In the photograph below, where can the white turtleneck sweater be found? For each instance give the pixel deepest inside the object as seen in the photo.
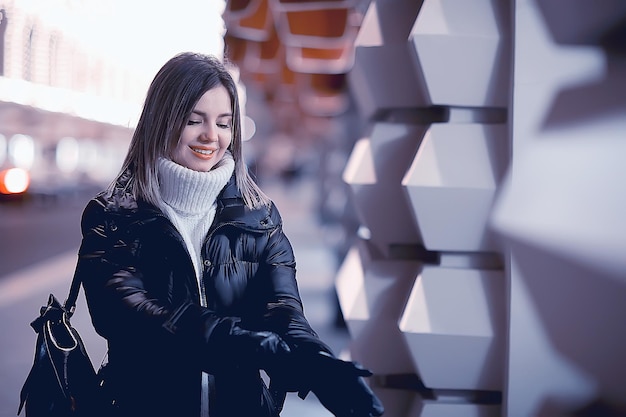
(188, 199)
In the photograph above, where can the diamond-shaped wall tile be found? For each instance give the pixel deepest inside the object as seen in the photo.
(372, 294)
(384, 72)
(454, 324)
(452, 183)
(463, 51)
(374, 173)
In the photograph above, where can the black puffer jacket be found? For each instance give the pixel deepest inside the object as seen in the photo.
(144, 298)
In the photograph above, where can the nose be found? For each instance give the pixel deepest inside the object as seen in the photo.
(209, 134)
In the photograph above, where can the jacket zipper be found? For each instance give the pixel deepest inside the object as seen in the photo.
(208, 382)
(201, 295)
(206, 379)
(202, 288)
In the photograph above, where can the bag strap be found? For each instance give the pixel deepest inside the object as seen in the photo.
(70, 302)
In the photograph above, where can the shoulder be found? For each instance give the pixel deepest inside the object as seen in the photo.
(112, 201)
(232, 209)
(115, 205)
(264, 218)
(101, 215)
(274, 214)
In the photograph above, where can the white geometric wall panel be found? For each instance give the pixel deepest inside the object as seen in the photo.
(374, 173)
(384, 72)
(571, 199)
(463, 50)
(397, 402)
(452, 183)
(582, 313)
(429, 408)
(454, 324)
(561, 208)
(372, 294)
(587, 23)
(563, 215)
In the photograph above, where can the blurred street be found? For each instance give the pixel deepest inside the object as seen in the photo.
(38, 245)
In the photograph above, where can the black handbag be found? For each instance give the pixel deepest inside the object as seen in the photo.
(62, 381)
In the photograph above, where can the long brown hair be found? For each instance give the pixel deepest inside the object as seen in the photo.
(170, 99)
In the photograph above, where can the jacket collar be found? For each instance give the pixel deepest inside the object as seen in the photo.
(231, 208)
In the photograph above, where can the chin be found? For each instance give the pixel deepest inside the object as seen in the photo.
(205, 168)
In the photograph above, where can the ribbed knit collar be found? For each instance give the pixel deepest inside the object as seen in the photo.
(192, 192)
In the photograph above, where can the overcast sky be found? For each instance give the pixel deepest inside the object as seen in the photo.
(142, 33)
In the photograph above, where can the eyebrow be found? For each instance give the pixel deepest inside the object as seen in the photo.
(203, 114)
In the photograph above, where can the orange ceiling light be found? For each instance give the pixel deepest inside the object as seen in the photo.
(327, 23)
(235, 48)
(270, 49)
(321, 28)
(263, 59)
(296, 52)
(323, 95)
(320, 60)
(288, 76)
(250, 20)
(322, 53)
(237, 6)
(330, 83)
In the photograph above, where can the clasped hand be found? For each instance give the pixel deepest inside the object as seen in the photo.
(339, 385)
(341, 389)
(264, 350)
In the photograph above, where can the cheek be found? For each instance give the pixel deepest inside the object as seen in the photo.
(178, 144)
(177, 148)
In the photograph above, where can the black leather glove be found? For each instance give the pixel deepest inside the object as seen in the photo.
(341, 389)
(262, 350)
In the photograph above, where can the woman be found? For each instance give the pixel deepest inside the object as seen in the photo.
(188, 275)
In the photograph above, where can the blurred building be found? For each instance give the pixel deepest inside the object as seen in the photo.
(65, 106)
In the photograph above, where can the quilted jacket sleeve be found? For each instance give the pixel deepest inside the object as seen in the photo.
(284, 312)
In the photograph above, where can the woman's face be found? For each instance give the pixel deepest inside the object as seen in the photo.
(208, 133)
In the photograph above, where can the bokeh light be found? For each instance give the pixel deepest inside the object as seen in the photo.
(22, 151)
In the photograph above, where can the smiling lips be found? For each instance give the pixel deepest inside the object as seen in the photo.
(204, 153)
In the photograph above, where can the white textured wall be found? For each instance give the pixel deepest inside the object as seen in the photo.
(518, 188)
(432, 79)
(561, 210)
